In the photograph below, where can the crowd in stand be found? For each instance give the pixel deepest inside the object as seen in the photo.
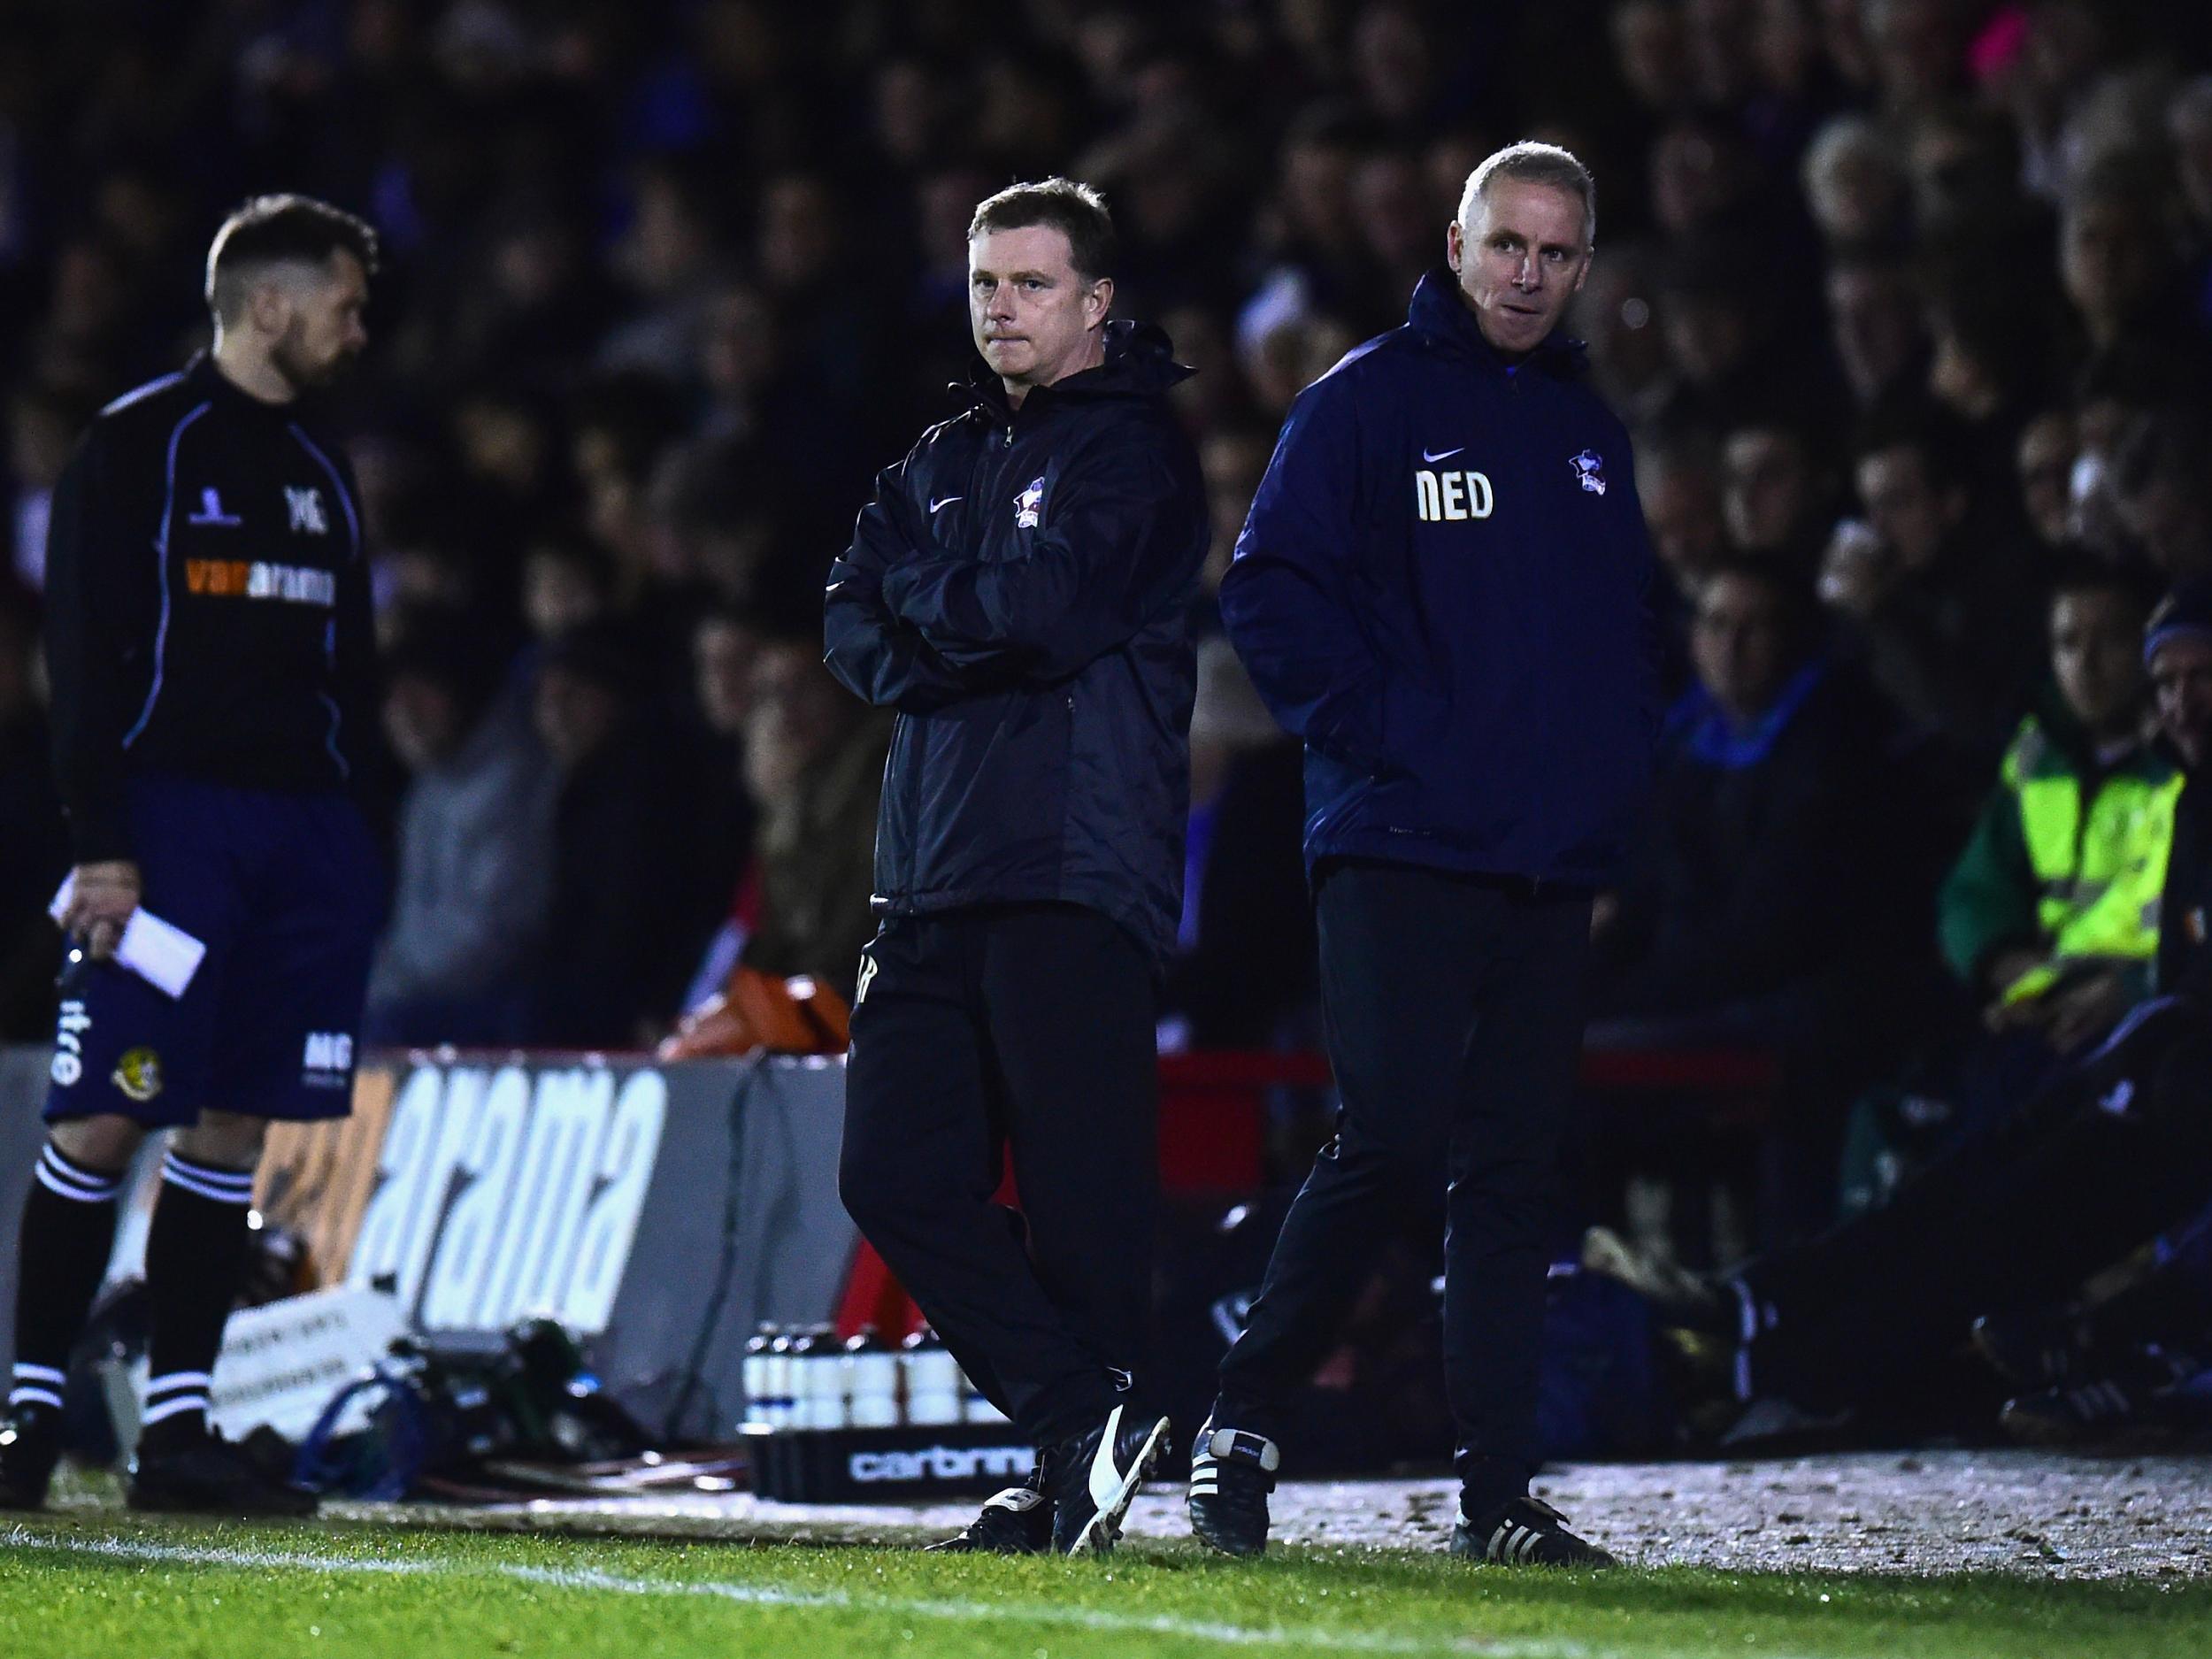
(1907, 303)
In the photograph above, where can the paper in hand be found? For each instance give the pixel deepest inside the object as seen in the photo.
(159, 952)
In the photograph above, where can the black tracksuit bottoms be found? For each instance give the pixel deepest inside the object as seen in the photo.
(1025, 1028)
(1453, 1018)
(1455, 1011)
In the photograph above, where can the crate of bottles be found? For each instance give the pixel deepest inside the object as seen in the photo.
(865, 1421)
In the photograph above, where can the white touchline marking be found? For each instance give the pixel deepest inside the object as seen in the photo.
(592, 1579)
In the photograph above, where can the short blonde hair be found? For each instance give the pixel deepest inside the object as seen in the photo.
(1532, 162)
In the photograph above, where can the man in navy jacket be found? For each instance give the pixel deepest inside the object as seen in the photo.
(1441, 588)
(1018, 591)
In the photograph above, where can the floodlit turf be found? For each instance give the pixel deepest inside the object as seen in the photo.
(112, 1585)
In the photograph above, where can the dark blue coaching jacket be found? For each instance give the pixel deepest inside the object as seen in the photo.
(1018, 591)
(1442, 587)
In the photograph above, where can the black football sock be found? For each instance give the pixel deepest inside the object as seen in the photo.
(68, 1229)
(195, 1257)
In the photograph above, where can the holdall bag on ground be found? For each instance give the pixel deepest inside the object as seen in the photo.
(453, 1414)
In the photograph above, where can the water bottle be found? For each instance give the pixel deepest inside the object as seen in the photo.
(798, 1348)
(872, 1381)
(757, 1389)
(818, 1389)
(933, 1380)
(777, 1400)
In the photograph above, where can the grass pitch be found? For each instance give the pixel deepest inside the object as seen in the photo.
(107, 1584)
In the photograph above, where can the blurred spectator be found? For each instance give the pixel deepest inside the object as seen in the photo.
(1917, 49)
(726, 652)
(669, 255)
(2189, 127)
(814, 769)
(475, 855)
(568, 584)
(2050, 915)
(1234, 458)
(1964, 162)
(2118, 395)
(2056, 65)
(1986, 369)
(33, 840)
(708, 529)
(1724, 47)
(1680, 486)
(1772, 897)
(630, 903)
(504, 443)
(1843, 36)
(2118, 262)
(1311, 225)
(43, 427)
(1875, 325)
(538, 300)
(1794, 84)
(1757, 907)
(1244, 967)
(1397, 64)
(1943, 616)
(1281, 356)
(622, 427)
(1215, 395)
(2162, 485)
(1397, 221)
(2045, 463)
(1650, 49)
(830, 307)
(1615, 314)
(725, 648)
(1703, 179)
(1716, 322)
(1855, 184)
(1772, 496)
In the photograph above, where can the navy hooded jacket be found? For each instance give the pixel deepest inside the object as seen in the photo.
(1443, 588)
(1018, 591)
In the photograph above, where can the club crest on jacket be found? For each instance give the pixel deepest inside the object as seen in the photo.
(1029, 504)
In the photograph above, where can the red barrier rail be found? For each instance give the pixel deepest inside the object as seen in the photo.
(1728, 1071)
(1213, 1136)
(1212, 1105)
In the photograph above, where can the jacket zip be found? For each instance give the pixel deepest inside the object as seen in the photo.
(1533, 538)
(979, 499)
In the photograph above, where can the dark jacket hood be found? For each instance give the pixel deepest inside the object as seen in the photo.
(1139, 363)
(1440, 314)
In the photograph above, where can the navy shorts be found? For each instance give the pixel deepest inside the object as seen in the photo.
(286, 892)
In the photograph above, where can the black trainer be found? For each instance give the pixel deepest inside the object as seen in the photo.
(206, 1474)
(2069, 1417)
(2134, 1388)
(30, 1447)
(1231, 1471)
(2035, 1351)
(1525, 1532)
(1094, 1478)
(1015, 1522)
